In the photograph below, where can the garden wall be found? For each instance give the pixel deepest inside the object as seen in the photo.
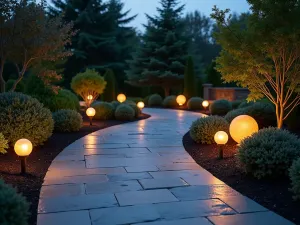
(231, 94)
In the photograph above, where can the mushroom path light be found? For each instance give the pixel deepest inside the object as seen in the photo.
(221, 138)
(23, 148)
(140, 105)
(205, 104)
(91, 112)
(181, 99)
(242, 127)
(121, 98)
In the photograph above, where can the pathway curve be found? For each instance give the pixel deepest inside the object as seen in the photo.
(139, 173)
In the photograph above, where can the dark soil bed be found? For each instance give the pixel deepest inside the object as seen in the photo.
(272, 194)
(40, 159)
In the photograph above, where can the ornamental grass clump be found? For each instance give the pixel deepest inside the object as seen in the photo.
(203, 129)
(220, 107)
(14, 208)
(22, 116)
(124, 112)
(104, 111)
(269, 152)
(155, 100)
(170, 102)
(295, 178)
(195, 103)
(3, 144)
(66, 120)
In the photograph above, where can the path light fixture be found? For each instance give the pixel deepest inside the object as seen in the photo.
(181, 99)
(140, 105)
(23, 148)
(90, 112)
(121, 98)
(89, 100)
(205, 104)
(221, 138)
(242, 127)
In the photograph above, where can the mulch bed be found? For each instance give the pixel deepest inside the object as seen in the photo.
(40, 159)
(272, 194)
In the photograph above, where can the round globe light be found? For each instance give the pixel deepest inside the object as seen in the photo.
(140, 105)
(23, 147)
(221, 138)
(205, 104)
(181, 99)
(121, 98)
(90, 97)
(90, 112)
(242, 127)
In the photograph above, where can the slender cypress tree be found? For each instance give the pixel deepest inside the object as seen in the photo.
(190, 88)
(110, 89)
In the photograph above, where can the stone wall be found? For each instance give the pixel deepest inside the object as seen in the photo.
(231, 94)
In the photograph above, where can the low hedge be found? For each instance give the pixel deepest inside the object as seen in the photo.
(155, 100)
(220, 107)
(104, 110)
(170, 102)
(294, 173)
(195, 103)
(66, 120)
(124, 112)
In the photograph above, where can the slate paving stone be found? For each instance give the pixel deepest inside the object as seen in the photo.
(242, 204)
(261, 218)
(67, 165)
(62, 190)
(145, 197)
(191, 209)
(137, 169)
(116, 151)
(124, 215)
(76, 179)
(113, 187)
(203, 192)
(107, 146)
(128, 176)
(193, 221)
(74, 203)
(162, 183)
(180, 166)
(65, 218)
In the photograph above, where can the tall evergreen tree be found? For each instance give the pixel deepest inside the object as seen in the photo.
(190, 81)
(109, 93)
(161, 58)
(104, 39)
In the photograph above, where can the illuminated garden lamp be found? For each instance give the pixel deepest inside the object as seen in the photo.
(90, 112)
(181, 99)
(205, 104)
(140, 105)
(221, 138)
(121, 98)
(90, 97)
(23, 148)
(242, 127)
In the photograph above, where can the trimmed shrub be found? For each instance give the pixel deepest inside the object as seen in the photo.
(129, 102)
(263, 113)
(245, 104)
(235, 104)
(137, 111)
(204, 129)
(3, 144)
(115, 104)
(195, 103)
(14, 208)
(66, 120)
(135, 99)
(155, 100)
(109, 93)
(170, 102)
(22, 116)
(295, 178)
(146, 100)
(65, 99)
(269, 152)
(124, 112)
(104, 111)
(87, 83)
(220, 107)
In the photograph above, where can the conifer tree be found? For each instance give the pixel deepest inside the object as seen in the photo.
(190, 79)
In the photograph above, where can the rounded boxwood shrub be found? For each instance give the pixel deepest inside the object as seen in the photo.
(269, 152)
(220, 107)
(115, 104)
(146, 99)
(137, 111)
(263, 113)
(124, 112)
(66, 120)
(195, 103)
(235, 104)
(170, 102)
(22, 116)
(155, 100)
(245, 104)
(204, 129)
(65, 99)
(14, 208)
(3, 144)
(295, 178)
(104, 111)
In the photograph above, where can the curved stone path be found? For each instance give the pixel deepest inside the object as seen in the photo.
(139, 173)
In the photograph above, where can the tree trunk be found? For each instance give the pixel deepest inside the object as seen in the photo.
(279, 115)
(167, 91)
(2, 81)
(21, 74)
